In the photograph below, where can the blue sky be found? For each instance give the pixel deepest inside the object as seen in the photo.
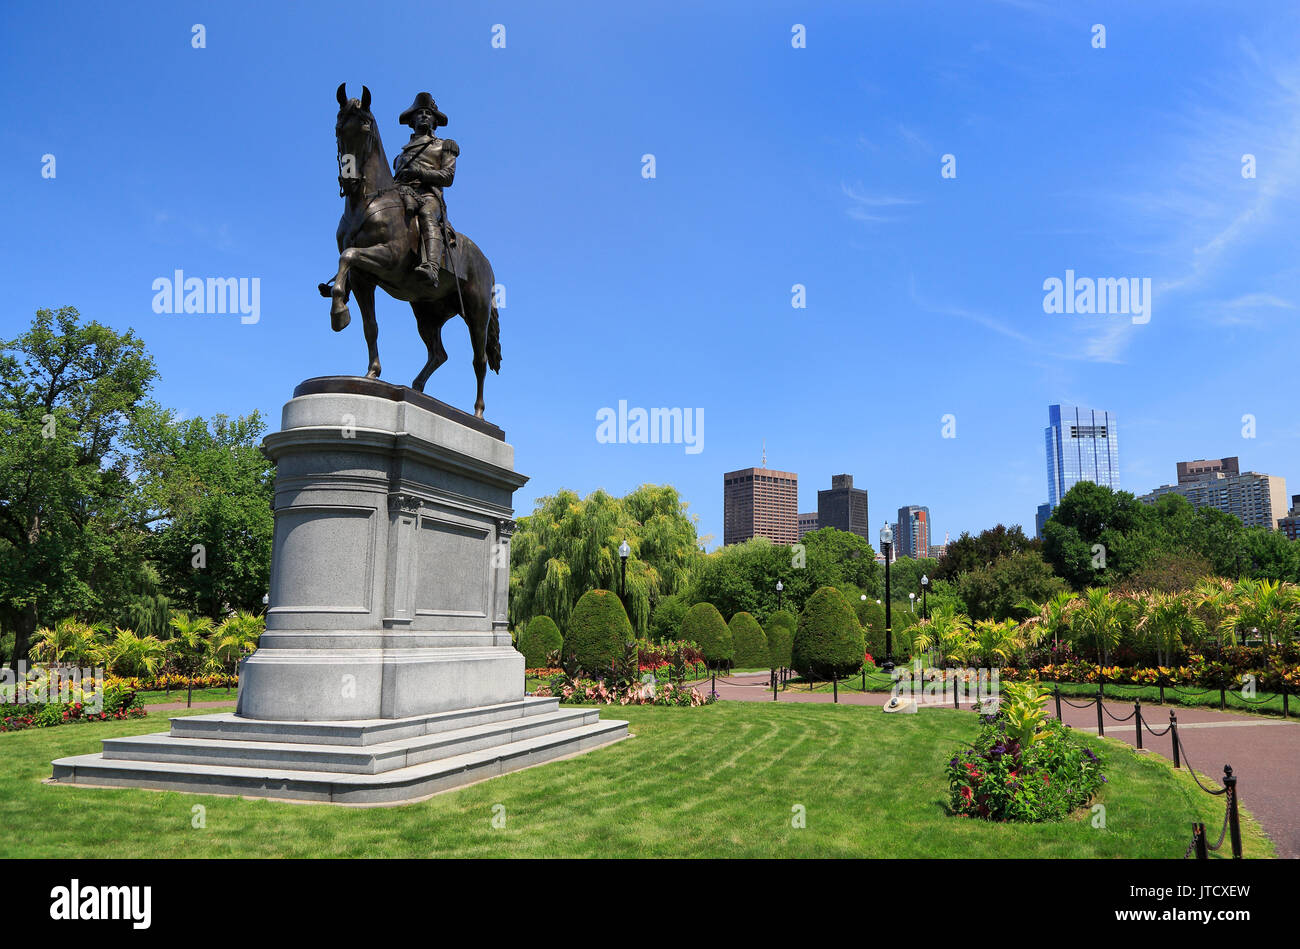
(775, 166)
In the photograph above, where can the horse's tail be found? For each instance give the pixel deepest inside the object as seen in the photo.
(494, 341)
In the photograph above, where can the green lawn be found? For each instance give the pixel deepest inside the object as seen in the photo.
(717, 781)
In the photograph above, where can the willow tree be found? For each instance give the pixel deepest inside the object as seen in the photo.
(569, 545)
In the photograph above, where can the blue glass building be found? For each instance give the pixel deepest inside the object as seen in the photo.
(1082, 445)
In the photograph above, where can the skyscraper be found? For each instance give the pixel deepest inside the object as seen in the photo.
(758, 502)
(1082, 445)
(843, 506)
(1259, 500)
(913, 535)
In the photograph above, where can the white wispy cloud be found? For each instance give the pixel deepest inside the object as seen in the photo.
(868, 207)
(963, 313)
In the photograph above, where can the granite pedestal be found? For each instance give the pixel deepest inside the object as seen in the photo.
(386, 670)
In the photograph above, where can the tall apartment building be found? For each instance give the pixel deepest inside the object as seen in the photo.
(760, 502)
(843, 506)
(912, 537)
(1257, 500)
(1290, 525)
(1082, 445)
(1192, 470)
(807, 523)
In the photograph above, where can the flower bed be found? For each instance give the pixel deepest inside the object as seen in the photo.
(598, 692)
(1023, 766)
(119, 703)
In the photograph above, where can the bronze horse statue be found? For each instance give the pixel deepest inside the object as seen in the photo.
(379, 245)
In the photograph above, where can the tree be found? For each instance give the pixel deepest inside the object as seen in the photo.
(828, 642)
(780, 638)
(540, 638)
(998, 590)
(666, 620)
(749, 641)
(569, 545)
(128, 654)
(1052, 616)
(705, 627)
(599, 633)
(209, 489)
(188, 647)
(1167, 621)
(968, 552)
(69, 394)
(1099, 621)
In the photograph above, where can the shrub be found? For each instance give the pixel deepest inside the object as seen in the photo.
(705, 627)
(780, 638)
(540, 638)
(749, 642)
(599, 633)
(828, 640)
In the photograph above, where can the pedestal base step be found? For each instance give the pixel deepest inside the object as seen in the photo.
(386, 772)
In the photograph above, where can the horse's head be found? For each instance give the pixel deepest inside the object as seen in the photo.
(355, 132)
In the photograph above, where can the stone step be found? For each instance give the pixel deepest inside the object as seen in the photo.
(342, 759)
(391, 787)
(361, 732)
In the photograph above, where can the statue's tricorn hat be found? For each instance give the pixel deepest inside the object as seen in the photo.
(423, 101)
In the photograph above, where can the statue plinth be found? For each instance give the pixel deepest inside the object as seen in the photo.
(391, 562)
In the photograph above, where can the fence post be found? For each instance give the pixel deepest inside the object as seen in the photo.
(1162, 690)
(956, 691)
(1285, 710)
(835, 687)
(1058, 701)
(1234, 827)
(1198, 838)
(1173, 731)
(1137, 720)
(864, 678)
(774, 678)
(1101, 725)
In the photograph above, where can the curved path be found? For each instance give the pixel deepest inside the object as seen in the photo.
(1264, 752)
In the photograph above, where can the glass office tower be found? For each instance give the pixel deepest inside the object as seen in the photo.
(1082, 445)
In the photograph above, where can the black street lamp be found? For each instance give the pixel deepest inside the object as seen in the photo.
(623, 551)
(925, 588)
(779, 587)
(887, 545)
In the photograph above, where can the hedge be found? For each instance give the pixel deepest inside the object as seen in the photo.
(828, 641)
(599, 632)
(540, 638)
(780, 638)
(749, 641)
(705, 627)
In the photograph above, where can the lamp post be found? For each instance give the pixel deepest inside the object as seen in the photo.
(912, 598)
(779, 587)
(886, 545)
(925, 588)
(623, 551)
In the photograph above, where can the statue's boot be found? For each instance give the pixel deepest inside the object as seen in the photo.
(432, 256)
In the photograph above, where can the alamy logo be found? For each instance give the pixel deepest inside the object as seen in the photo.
(638, 426)
(182, 294)
(103, 902)
(1103, 296)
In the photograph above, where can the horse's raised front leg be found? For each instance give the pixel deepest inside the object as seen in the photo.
(339, 315)
(364, 291)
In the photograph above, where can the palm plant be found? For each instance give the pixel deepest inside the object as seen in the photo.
(187, 648)
(1268, 606)
(1100, 621)
(996, 642)
(1214, 599)
(1168, 621)
(235, 638)
(129, 654)
(68, 642)
(946, 633)
(1049, 618)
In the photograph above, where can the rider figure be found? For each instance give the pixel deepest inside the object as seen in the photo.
(427, 165)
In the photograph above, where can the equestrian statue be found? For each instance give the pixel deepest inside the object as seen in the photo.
(394, 234)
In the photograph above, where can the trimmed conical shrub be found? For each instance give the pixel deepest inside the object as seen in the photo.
(705, 627)
(749, 642)
(828, 641)
(599, 632)
(780, 638)
(538, 640)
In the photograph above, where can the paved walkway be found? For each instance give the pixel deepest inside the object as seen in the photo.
(1264, 752)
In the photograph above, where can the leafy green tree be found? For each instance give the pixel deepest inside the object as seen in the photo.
(540, 638)
(210, 490)
(188, 647)
(666, 620)
(598, 634)
(828, 641)
(569, 545)
(750, 642)
(998, 590)
(969, 552)
(70, 393)
(705, 627)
